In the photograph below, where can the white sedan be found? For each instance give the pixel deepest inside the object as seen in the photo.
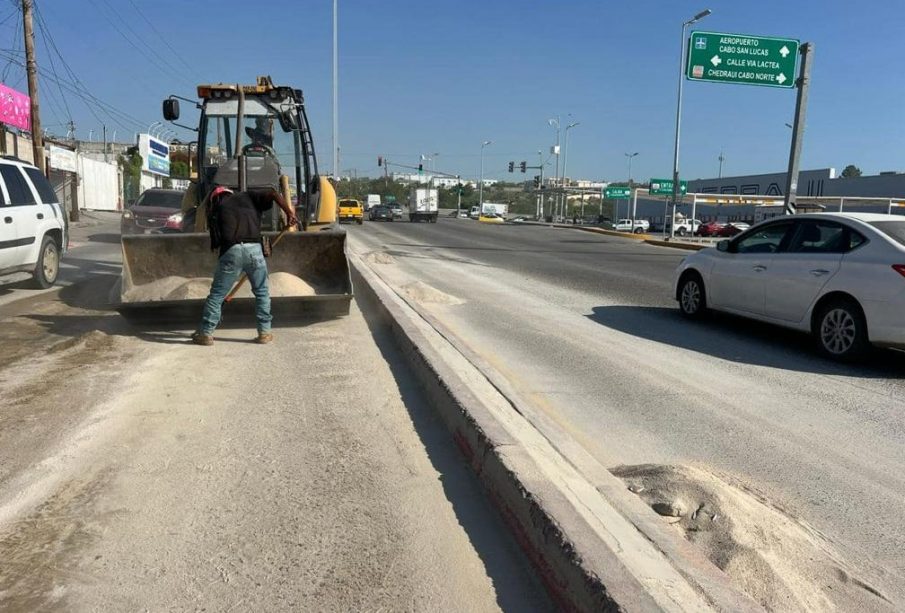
(839, 276)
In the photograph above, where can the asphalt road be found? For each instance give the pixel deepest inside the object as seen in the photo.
(141, 472)
(586, 327)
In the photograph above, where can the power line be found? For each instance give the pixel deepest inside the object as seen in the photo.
(45, 34)
(158, 62)
(121, 118)
(16, 45)
(159, 34)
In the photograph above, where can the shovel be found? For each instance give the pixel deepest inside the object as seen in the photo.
(244, 278)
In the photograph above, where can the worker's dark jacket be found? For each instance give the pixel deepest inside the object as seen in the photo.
(237, 218)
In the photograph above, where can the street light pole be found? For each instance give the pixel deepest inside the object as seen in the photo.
(555, 124)
(565, 160)
(721, 158)
(481, 184)
(675, 160)
(630, 156)
(335, 91)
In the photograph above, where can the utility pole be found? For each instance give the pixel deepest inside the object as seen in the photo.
(801, 105)
(31, 69)
(106, 159)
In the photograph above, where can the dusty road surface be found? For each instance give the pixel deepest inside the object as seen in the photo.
(139, 472)
(789, 470)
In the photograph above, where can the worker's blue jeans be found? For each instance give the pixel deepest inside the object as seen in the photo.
(247, 258)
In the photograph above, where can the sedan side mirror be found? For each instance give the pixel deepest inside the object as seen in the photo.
(171, 109)
(723, 246)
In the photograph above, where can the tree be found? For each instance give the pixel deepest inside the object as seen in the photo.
(851, 171)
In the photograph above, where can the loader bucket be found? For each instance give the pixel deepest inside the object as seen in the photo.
(166, 277)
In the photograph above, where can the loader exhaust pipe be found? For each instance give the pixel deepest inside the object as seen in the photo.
(240, 157)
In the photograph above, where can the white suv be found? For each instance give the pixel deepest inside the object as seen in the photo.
(33, 226)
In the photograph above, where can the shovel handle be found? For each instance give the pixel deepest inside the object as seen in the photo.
(235, 290)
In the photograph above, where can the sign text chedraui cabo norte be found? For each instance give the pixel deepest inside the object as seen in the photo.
(738, 58)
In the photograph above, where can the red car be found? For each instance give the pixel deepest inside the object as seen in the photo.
(711, 228)
(733, 228)
(156, 211)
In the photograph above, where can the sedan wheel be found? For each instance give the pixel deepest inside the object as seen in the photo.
(842, 331)
(692, 301)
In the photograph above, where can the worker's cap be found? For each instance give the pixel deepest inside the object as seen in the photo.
(220, 191)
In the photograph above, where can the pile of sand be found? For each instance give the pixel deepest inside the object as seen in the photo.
(423, 293)
(379, 257)
(780, 561)
(282, 284)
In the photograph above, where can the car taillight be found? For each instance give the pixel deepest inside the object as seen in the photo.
(899, 268)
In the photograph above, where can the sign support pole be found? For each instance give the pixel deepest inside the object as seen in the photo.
(801, 104)
(634, 206)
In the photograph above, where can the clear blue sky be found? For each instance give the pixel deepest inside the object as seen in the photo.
(441, 76)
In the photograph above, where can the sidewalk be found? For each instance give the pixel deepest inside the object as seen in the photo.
(310, 475)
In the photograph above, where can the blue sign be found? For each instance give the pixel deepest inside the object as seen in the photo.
(159, 165)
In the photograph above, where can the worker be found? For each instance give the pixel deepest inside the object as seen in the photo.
(235, 229)
(261, 137)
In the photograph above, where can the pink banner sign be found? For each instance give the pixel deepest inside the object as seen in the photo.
(15, 108)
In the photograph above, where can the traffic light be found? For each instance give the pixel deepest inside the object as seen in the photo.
(379, 160)
(524, 166)
(536, 181)
(420, 168)
(511, 166)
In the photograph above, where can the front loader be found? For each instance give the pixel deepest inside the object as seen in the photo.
(249, 136)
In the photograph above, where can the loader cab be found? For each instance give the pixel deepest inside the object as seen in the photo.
(273, 136)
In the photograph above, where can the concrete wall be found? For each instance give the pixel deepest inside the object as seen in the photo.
(99, 185)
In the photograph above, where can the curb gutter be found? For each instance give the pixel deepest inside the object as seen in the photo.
(591, 555)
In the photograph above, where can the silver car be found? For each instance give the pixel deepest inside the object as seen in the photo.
(839, 276)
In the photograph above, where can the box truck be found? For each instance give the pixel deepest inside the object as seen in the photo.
(424, 204)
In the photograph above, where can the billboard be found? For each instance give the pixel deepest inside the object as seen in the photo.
(63, 159)
(15, 108)
(155, 155)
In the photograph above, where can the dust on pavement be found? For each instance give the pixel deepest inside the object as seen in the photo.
(307, 474)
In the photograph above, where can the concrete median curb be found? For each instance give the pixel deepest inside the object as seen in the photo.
(677, 244)
(589, 554)
(631, 235)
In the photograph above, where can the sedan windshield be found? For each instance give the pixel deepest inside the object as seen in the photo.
(893, 229)
(167, 200)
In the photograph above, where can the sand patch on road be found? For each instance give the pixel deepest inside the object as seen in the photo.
(778, 560)
(379, 257)
(425, 294)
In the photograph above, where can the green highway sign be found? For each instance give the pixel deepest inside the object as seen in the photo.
(738, 58)
(663, 187)
(617, 192)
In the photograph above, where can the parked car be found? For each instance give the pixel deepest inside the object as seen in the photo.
(711, 228)
(156, 211)
(351, 210)
(381, 212)
(732, 228)
(684, 227)
(639, 227)
(34, 233)
(838, 276)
